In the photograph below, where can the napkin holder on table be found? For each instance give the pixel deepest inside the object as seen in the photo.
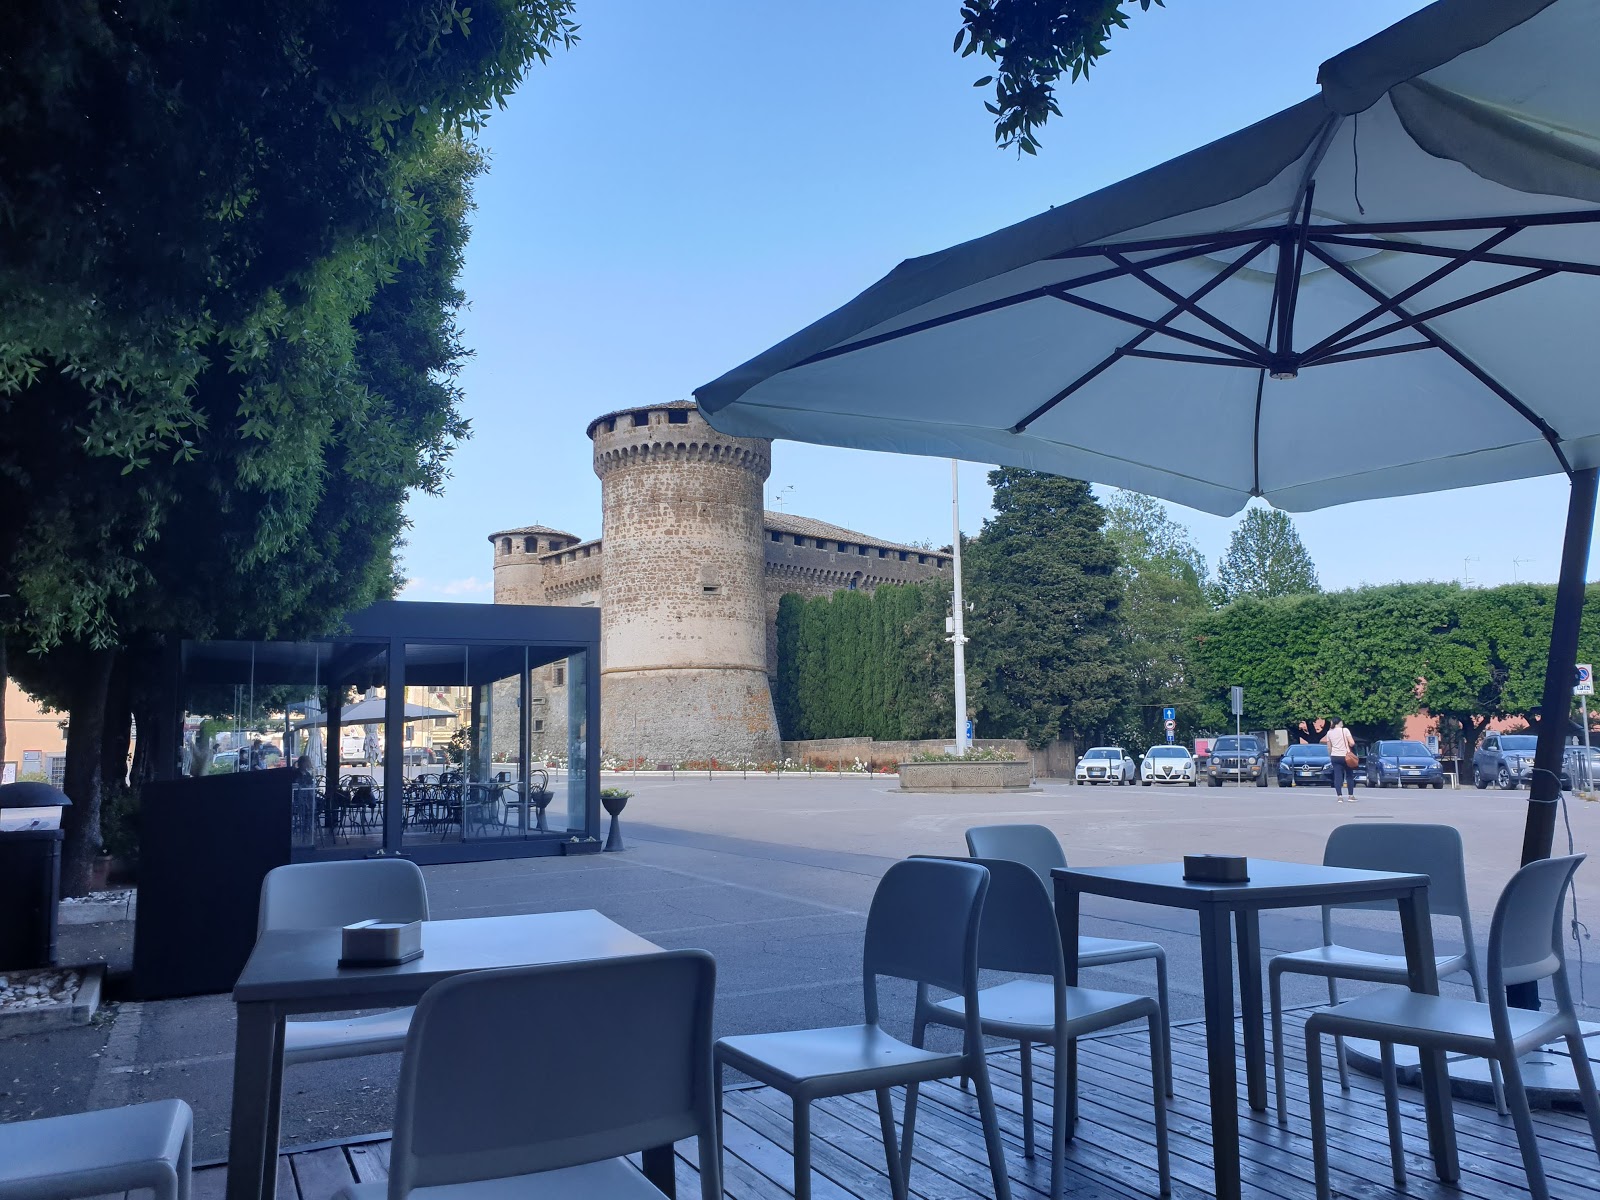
(1216, 868)
(380, 943)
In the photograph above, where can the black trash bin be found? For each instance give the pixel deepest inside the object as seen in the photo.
(30, 873)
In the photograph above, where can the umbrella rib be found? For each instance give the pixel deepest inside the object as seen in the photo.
(1427, 281)
(1207, 359)
(1161, 326)
(1140, 338)
(1174, 296)
(1379, 352)
(1444, 345)
(1582, 216)
(1559, 265)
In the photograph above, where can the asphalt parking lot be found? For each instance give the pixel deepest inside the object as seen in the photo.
(774, 877)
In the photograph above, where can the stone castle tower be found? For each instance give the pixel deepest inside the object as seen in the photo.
(688, 572)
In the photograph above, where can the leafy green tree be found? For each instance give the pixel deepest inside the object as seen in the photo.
(1034, 43)
(1162, 576)
(1046, 639)
(1261, 645)
(1265, 558)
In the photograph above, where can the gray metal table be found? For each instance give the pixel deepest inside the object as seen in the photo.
(1271, 885)
(297, 971)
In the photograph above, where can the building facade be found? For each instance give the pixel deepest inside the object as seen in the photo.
(688, 572)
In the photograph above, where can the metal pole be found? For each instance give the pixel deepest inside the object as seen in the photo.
(1555, 714)
(1583, 707)
(958, 626)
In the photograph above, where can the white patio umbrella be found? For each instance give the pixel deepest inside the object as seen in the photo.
(1415, 249)
(371, 712)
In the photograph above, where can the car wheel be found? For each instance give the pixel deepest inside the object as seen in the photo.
(1503, 779)
(1191, 783)
(1478, 781)
(1215, 782)
(1439, 786)
(1144, 783)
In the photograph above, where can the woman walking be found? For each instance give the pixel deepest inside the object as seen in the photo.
(1341, 743)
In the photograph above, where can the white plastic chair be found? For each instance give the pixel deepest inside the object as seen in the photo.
(1431, 850)
(1525, 946)
(91, 1153)
(494, 1117)
(323, 894)
(922, 927)
(1020, 936)
(1038, 847)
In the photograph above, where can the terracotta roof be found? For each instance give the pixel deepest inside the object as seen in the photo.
(781, 522)
(522, 529)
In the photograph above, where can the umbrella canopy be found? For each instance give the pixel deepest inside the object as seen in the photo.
(1414, 251)
(371, 712)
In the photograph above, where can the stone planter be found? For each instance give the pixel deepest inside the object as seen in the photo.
(956, 776)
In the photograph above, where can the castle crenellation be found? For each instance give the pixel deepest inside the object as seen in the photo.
(688, 572)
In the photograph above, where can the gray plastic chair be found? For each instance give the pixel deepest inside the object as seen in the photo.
(1431, 850)
(1038, 847)
(922, 927)
(107, 1150)
(1019, 936)
(317, 895)
(497, 1117)
(1525, 946)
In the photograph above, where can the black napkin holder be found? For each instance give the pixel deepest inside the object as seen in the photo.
(1216, 868)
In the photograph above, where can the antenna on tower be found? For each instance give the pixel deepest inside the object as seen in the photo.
(780, 496)
(1516, 575)
(1466, 579)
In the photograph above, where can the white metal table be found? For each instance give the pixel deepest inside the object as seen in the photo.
(296, 971)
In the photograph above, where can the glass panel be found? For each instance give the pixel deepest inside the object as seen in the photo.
(577, 790)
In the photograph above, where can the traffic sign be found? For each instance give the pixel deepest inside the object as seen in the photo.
(1171, 725)
(1169, 737)
(1584, 685)
(1237, 698)
(1169, 715)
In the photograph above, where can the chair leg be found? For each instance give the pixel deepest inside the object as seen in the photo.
(1586, 1092)
(802, 1150)
(1319, 1120)
(1494, 1067)
(1027, 1099)
(1275, 991)
(722, 1162)
(1158, 1073)
(1338, 1039)
(898, 1171)
(908, 1128)
(186, 1163)
(979, 1070)
(1391, 1110)
(1166, 1016)
(1058, 1124)
(1522, 1118)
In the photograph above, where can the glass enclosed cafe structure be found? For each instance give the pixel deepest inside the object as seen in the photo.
(443, 732)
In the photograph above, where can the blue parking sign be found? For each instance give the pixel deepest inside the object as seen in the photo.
(1169, 714)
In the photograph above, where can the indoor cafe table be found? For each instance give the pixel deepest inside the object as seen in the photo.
(296, 971)
(1271, 885)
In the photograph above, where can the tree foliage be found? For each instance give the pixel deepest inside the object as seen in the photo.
(1046, 645)
(1265, 558)
(1034, 43)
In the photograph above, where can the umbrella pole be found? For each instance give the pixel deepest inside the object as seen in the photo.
(1555, 714)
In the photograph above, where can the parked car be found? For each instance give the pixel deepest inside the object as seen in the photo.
(416, 756)
(1403, 764)
(1306, 765)
(225, 760)
(1167, 764)
(1503, 759)
(1105, 764)
(1238, 757)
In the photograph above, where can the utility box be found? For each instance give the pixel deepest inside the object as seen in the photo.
(30, 874)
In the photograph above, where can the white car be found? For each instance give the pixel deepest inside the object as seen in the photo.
(1168, 764)
(1105, 764)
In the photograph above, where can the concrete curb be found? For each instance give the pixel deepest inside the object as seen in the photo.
(98, 912)
(48, 1017)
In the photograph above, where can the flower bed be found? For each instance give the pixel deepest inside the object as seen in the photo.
(966, 775)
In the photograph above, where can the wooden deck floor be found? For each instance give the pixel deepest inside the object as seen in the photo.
(1112, 1157)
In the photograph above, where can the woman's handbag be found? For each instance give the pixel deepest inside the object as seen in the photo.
(1350, 759)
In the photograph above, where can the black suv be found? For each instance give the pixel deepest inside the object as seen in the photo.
(1238, 757)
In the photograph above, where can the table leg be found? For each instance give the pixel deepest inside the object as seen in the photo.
(1067, 921)
(257, 1087)
(1216, 963)
(659, 1169)
(1417, 927)
(1248, 923)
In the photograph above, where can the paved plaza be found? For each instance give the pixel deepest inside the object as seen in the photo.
(774, 877)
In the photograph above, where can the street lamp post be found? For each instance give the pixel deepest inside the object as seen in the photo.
(957, 625)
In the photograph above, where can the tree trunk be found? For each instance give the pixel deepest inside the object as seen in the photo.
(86, 723)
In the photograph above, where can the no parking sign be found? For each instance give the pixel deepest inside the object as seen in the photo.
(1584, 680)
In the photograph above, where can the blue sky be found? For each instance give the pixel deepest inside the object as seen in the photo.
(693, 183)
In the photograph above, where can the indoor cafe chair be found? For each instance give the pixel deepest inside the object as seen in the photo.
(923, 928)
(1525, 946)
(1431, 850)
(1019, 936)
(323, 894)
(1037, 847)
(480, 1115)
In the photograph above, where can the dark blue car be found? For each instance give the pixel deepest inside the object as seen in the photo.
(1305, 766)
(1403, 764)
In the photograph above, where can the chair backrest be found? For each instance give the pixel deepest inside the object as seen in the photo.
(1431, 850)
(317, 895)
(1019, 931)
(483, 1097)
(1525, 943)
(923, 926)
(1034, 846)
